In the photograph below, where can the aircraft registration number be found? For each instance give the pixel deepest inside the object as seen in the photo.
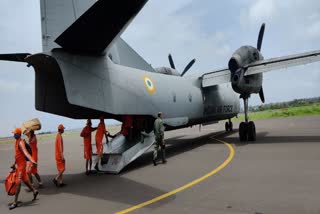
(219, 109)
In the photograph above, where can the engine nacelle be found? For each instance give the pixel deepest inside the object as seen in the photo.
(245, 85)
(168, 71)
(244, 56)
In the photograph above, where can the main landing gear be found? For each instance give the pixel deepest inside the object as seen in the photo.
(247, 130)
(229, 126)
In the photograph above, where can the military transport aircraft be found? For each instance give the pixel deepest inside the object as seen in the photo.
(87, 70)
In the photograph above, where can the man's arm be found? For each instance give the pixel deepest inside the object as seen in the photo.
(61, 146)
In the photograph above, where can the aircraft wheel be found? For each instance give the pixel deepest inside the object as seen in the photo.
(227, 126)
(251, 131)
(231, 126)
(243, 131)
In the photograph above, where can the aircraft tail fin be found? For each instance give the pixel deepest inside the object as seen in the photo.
(99, 26)
(57, 16)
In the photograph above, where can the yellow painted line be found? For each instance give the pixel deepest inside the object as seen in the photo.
(166, 195)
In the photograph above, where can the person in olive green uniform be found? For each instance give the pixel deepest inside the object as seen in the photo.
(160, 144)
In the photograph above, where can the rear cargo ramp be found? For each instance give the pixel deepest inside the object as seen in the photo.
(121, 151)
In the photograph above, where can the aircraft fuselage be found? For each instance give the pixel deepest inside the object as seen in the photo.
(87, 86)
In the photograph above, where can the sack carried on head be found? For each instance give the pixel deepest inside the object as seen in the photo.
(33, 124)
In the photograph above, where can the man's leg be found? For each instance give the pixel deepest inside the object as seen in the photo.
(16, 196)
(97, 162)
(163, 153)
(87, 162)
(99, 153)
(61, 168)
(90, 163)
(59, 177)
(35, 192)
(30, 178)
(29, 171)
(38, 179)
(155, 153)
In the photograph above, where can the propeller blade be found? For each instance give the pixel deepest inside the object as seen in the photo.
(188, 66)
(261, 94)
(171, 62)
(260, 38)
(17, 57)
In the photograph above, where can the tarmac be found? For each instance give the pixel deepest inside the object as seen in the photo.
(279, 173)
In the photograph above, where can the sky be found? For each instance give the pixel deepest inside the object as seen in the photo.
(207, 30)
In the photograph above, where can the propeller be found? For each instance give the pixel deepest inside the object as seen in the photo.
(188, 66)
(185, 69)
(260, 38)
(171, 62)
(259, 45)
(261, 94)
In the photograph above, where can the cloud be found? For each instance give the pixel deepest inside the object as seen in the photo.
(261, 10)
(8, 87)
(176, 29)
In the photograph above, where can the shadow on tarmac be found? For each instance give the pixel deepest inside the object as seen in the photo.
(118, 188)
(103, 187)
(175, 146)
(262, 138)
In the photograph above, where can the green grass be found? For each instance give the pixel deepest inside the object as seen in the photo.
(312, 110)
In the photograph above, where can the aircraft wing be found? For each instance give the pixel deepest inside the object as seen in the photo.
(216, 78)
(224, 75)
(282, 62)
(96, 29)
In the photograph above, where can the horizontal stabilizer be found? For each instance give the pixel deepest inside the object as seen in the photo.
(16, 57)
(95, 30)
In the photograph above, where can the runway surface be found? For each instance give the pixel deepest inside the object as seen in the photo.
(279, 173)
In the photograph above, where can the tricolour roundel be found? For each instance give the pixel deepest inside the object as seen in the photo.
(149, 84)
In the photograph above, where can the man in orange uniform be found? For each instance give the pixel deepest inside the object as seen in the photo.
(86, 134)
(127, 123)
(58, 181)
(31, 168)
(21, 153)
(101, 131)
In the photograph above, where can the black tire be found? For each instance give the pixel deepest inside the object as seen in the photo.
(226, 126)
(230, 126)
(251, 131)
(243, 131)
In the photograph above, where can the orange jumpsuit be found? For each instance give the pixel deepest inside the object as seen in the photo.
(99, 137)
(21, 153)
(59, 153)
(33, 169)
(86, 134)
(127, 123)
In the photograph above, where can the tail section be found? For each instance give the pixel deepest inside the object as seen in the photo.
(99, 26)
(57, 16)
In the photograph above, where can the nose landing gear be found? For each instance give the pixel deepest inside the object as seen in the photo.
(229, 126)
(247, 130)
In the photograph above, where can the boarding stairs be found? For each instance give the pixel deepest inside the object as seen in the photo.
(121, 151)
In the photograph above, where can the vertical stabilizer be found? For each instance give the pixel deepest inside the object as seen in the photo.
(57, 16)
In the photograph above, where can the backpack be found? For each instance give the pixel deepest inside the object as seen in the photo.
(28, 147)
(10, 182)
